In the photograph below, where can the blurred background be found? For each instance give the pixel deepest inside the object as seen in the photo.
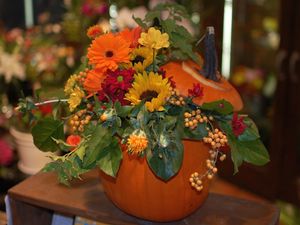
(42, 42)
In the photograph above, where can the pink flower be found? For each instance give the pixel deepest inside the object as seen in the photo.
(6, 153)
(238, 125)
(197, 91)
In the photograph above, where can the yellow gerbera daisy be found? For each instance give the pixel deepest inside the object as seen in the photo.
(141, 58)
(152, 88)
(71, 82)
(75, 98)
(154, 39)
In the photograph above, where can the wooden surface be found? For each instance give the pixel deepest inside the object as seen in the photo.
(43, 194)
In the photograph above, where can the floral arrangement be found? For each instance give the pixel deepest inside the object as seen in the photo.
(124, 102)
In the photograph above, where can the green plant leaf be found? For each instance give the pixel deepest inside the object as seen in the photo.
(80, 152)
(140, 22)
(198, 133)
(166, 162)
(122, 111)
(222, 106)
(99, 140)
(251, 132)
(252, 151)
(110, 158)
(43, 132)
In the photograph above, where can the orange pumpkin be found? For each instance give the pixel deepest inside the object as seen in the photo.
(137, 191)
(185, 75)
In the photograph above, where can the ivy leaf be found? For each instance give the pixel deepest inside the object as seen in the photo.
(250, 150)
(100, 139)
(110, 158)
(122, 111)
(222, 106)
(198, 133)
(143, 116)
(45, 131)
(166, 162)
(80, 152)
(251, 132)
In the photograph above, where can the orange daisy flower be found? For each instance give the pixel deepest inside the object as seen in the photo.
(93, 80)
(132, 36)
(94, 31)
(107, 51)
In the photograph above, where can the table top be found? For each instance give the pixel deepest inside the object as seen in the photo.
(86, 198)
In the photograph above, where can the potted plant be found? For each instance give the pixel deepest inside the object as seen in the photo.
(152, 117)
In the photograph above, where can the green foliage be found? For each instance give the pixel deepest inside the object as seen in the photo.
(45, 131)
(222, 107)
(246, 147)
(181, 41)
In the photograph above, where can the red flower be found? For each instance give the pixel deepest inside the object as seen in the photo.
(73, 140)
(162, 72)
(238, 125)
(197, 91)
(45, 109)
(6, 153)
(115, 85)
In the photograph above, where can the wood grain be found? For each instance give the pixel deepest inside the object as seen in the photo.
(86, 198)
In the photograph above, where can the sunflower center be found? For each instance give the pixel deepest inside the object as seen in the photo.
(148, 95)
(109, 54)
(138, 59)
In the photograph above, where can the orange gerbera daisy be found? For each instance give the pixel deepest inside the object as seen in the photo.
(93, 80)
(132, 36)
(94, 31)
(107, 51)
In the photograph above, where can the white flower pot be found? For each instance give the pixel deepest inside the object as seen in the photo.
(31, 159)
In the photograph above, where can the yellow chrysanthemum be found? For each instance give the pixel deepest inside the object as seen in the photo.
(152, 88)
(71, 82)
(141, 58)
(154, 39)
(137, 142)
(75, 98)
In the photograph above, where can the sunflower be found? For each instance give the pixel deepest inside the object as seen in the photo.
(152, 88)
(107, 51)
(141, 58)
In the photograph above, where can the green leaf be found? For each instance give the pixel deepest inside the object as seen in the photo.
(251, 151)
(122, 111)
(198, 133)
(166, 162)
(151, 15)
(140, 22)
(43, 132)
(143, 116)
(100, 139)
(80, 152)
(110, 158)
(222, 106)
(251, 132)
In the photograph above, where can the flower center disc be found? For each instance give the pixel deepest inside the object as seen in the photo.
(148, 95)
(138, 59)
(109, 54)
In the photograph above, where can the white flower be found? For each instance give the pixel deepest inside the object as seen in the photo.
(10, 66)
(124, 18)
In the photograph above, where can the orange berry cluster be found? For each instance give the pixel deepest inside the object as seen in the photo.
(191, 119)
(216, 139)
(175, 98)
(196, 181)
(79, 120)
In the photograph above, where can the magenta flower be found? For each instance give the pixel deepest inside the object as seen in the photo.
(6, 153)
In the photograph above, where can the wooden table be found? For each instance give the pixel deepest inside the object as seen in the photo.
(34, 200)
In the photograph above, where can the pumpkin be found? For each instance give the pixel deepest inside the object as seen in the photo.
(137, 191)
(185, 75)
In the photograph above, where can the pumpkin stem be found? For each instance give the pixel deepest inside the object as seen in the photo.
(210, 66)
